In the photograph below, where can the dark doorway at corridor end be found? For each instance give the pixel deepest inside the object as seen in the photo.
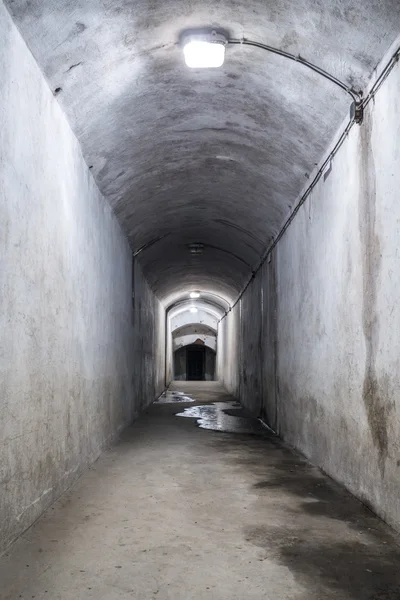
(195, 362)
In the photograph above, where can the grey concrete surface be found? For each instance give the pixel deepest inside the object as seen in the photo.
(76, 362)
(229, 351)
(330, 351)
(216, 156)
(178, 512)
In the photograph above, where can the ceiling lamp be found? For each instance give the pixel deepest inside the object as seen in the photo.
(194, 295)
(204, 50)
(193, 309)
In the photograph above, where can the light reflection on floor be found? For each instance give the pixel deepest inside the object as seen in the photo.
(218, 416)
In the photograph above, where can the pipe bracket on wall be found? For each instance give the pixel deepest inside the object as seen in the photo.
(357, 111)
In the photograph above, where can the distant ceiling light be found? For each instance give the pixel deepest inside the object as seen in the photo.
(204, 50)
(194, 295)
(227, 158)
(193, 309)
(196, 248)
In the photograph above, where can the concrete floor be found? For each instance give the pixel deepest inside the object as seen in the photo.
(178, 512)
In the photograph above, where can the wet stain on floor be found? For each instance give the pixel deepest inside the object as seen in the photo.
(228, 417)
(333, 545)
(364, 569)
(171, 397)
(211, 515)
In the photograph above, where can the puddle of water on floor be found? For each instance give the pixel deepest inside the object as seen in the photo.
(171, 397)
(220, 416)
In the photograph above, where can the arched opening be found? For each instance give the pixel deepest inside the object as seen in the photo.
(194, 362)
(192, 336)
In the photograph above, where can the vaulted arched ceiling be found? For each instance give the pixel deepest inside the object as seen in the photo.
(211, 156)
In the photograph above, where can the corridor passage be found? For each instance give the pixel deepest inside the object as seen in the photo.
(177, 512)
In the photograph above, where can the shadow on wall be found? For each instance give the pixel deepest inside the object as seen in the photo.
(195, 362)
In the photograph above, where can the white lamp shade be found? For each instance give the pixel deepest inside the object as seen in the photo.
(200, 54)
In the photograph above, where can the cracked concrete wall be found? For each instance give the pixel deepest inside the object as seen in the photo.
(149, 342)
(330, 349)
(69, 376)
(269, 342)
(250, 332)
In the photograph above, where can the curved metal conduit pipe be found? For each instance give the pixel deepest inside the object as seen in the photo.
(151, 243)
(364, 103)
(355, 95)
(221, 36)
(230, 253)
(135, 253)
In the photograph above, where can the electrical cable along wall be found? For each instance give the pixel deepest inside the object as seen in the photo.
(325, 302)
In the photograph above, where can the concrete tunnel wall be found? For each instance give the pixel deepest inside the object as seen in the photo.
(317, 329)
(72, 372)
